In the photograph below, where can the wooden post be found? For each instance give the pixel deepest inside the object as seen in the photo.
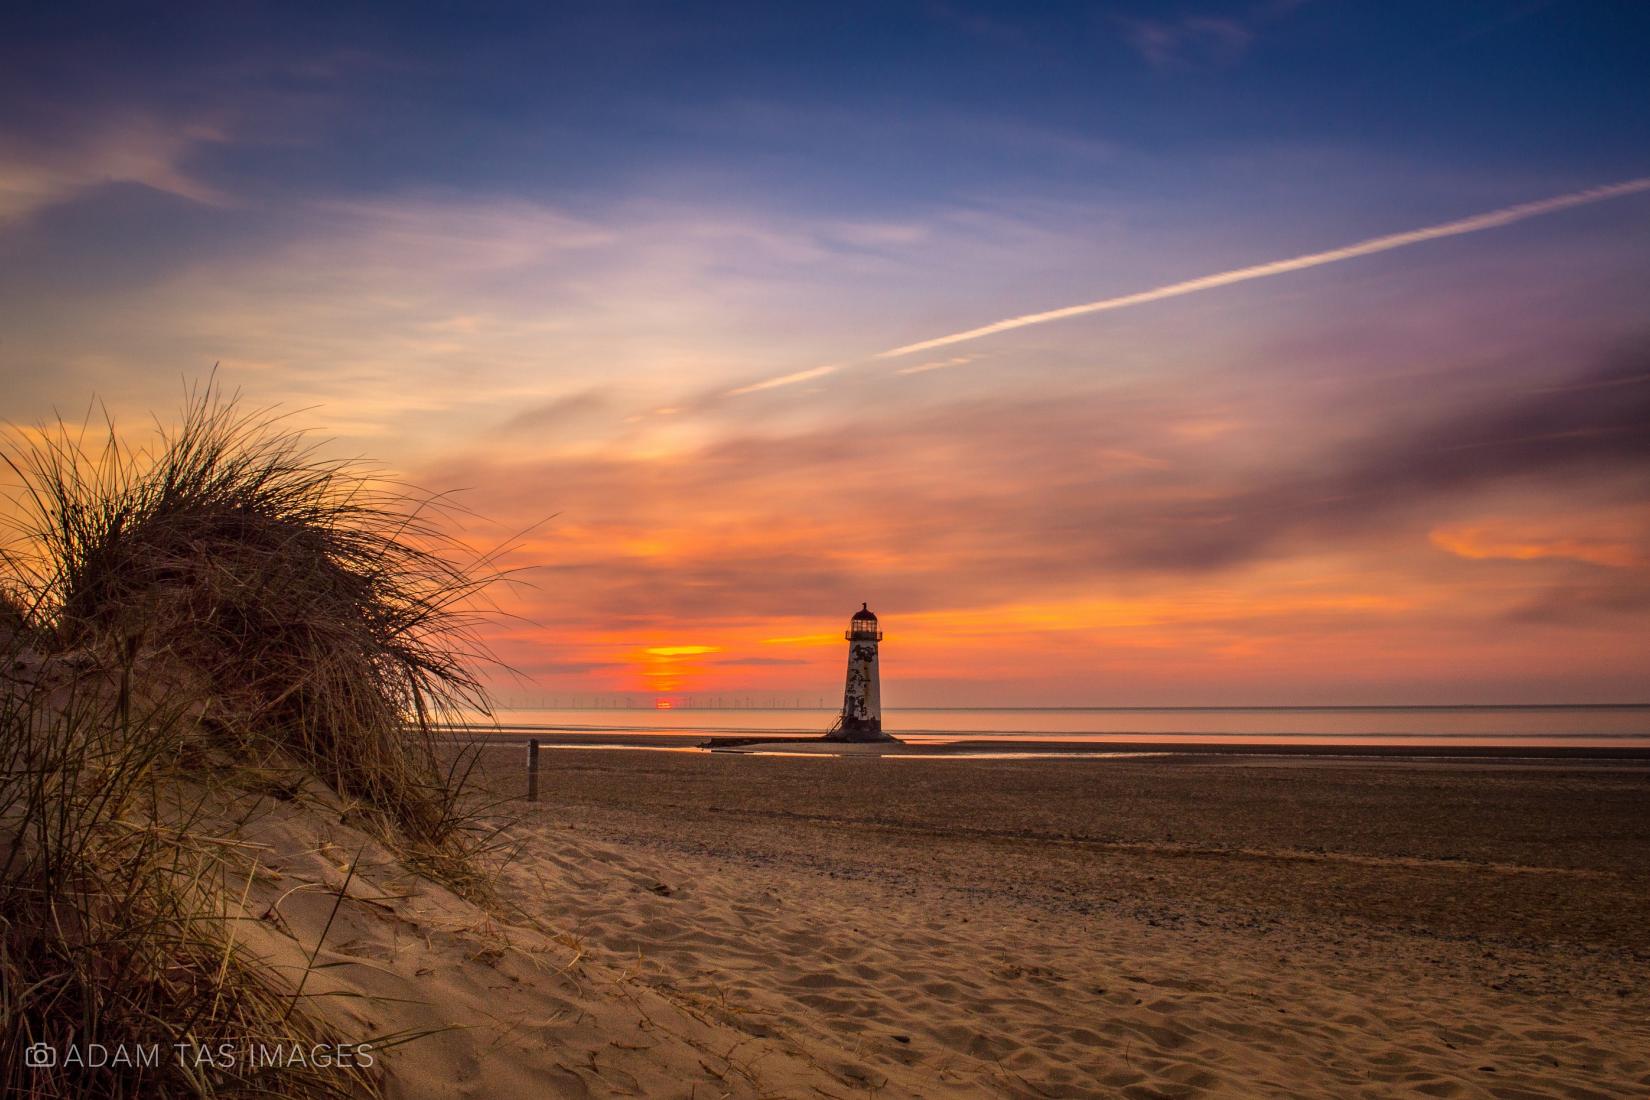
(533, 770)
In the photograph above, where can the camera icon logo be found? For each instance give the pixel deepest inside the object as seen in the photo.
(40, 1056)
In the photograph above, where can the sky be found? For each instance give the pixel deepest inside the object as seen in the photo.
(724, 318)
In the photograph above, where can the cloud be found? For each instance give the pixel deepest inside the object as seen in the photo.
(937, 364)
(1200, 41)
(1477, 223)
(1573, 605)
(1010, 500)
(464, 237)
(559, 414)
(435, 316)
(1590, 430)
(132, 148)
(1188, 41)
(1479, 542)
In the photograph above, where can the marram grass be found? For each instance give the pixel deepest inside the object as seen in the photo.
(176, 621)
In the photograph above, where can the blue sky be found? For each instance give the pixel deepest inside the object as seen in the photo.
(877, 107)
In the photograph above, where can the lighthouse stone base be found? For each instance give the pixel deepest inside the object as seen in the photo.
(861, 733)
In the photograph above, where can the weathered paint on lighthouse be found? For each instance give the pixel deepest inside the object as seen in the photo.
(862, 694)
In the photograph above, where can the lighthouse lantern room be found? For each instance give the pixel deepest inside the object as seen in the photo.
(861, 718)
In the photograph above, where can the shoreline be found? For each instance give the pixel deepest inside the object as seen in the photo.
(752, 744)
(978, 746)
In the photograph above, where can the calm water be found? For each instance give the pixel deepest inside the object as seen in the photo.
(1620, 726)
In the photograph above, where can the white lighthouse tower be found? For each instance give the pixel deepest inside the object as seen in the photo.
(862, 695)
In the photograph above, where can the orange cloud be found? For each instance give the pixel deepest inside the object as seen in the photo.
(1481, 543)
(1087, 549)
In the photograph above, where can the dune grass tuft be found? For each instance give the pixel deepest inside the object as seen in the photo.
(227, 602)
(326, 613)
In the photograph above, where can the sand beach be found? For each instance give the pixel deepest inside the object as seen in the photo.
(704, 925)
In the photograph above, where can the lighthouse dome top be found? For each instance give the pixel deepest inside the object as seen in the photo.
(865, 613)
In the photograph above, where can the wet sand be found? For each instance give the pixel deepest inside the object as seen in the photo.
(1171, 926)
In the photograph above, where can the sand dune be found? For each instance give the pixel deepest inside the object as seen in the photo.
(459, 1002)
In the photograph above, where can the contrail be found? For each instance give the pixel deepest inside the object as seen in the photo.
(788, 379)
(1493, 219)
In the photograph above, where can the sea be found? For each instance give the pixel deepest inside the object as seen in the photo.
(1512, 727)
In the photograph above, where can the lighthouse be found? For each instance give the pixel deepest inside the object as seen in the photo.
(862, 694)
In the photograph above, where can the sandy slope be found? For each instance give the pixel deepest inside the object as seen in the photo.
(698, 929)
(491, 1008)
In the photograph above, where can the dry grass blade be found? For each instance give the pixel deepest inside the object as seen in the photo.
(328, 613)
(224, 598)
